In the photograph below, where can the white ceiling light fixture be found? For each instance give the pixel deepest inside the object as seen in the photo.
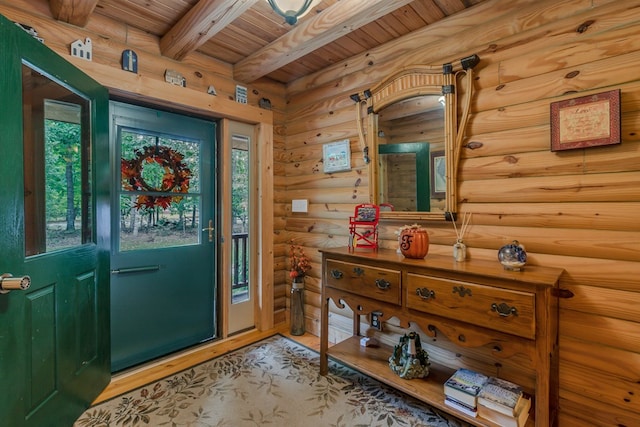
(291, 10)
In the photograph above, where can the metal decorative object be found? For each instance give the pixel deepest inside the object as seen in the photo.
(409, 360)
(290, 10)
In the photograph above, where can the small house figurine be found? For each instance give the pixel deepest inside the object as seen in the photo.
(82, 50)
(175, 78)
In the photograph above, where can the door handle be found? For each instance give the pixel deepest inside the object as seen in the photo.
(210, 229)
(9, 283)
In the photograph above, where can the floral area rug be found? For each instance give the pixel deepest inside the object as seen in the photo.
(273, 382)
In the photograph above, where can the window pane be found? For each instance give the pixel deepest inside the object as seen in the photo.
(57, 177)
(240, 290)
(159, 191)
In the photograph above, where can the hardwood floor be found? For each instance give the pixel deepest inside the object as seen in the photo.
(155, 370)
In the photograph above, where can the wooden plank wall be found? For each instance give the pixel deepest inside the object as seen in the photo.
(576, 209)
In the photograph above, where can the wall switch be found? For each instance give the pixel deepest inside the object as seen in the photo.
(300, 205)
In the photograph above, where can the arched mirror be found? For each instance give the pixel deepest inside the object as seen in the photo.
(414, 132)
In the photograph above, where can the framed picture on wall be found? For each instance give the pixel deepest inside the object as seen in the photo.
(587, 121)
(336, 156)
(438, 169)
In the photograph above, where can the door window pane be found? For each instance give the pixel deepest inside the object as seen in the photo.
(57, 177)
(159, 191)
(240, 289)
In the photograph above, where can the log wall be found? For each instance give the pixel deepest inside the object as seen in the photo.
(575, 209)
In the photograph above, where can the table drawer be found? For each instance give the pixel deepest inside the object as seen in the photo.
(500, 309)
(373, 282)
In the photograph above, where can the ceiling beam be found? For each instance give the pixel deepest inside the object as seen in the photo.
(329, 25)
(75, 12)
(199, 24)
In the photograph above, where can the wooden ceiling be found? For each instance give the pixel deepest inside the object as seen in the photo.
(257, 41)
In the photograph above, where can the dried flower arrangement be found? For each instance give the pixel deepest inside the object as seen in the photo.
(299, 262)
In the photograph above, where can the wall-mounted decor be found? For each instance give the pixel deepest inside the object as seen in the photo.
(175, 78)
(336, 156)
(31, 31)
(587, 121)
(130, 61)
(241, 94)
(438, 169)
(81, 49)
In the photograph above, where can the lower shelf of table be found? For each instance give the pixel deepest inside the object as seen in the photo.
(374, 362)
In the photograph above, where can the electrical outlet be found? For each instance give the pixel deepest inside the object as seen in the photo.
(375, 320)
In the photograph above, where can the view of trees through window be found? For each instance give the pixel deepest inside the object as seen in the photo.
(160, 191)
(63, 184)
(240, 219)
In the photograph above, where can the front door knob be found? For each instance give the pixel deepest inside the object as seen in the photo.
(210, 229)
(9, 283)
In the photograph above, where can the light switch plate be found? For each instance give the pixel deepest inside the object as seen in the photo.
(300, 205)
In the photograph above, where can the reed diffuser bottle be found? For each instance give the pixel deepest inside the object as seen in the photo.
(459, 247)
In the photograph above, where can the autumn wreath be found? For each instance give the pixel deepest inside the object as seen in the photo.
(175, 179)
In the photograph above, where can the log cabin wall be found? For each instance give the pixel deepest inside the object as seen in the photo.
(575, 209)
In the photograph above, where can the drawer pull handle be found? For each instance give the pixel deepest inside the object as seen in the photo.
(425, 293)
(358, 271)
(461, 290)
(336, 274)
(504, 310)
(383, 284)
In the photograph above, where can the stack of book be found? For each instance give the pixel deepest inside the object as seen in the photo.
(503, 403)
(461, 391)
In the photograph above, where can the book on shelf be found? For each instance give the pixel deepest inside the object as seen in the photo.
(464, 386)
(460, 406)
(500, 395)
(518, 420)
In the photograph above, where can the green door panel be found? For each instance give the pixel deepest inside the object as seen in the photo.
(163, 283)
(54, 336)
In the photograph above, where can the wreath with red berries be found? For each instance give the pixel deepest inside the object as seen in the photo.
(175, 179)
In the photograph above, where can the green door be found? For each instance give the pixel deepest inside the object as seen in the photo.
(163, 282)
(54, 335)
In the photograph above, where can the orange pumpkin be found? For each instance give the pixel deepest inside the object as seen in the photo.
(414, 242)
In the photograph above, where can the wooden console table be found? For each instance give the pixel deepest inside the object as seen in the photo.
(473, 303)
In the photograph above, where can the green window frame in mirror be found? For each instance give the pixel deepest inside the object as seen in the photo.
(401, 96)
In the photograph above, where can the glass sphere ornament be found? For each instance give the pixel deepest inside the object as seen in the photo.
(512, 256)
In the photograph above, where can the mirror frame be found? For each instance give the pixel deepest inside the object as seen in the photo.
(418, 80)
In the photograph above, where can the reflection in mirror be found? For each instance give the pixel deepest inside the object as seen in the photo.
(408, 131)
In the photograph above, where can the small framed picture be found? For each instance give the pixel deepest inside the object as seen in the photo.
(438, 169)
(587, 121)
(336, 156)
